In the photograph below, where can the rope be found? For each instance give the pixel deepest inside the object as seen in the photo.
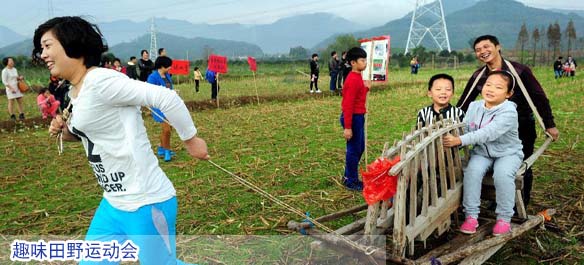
(368, 250)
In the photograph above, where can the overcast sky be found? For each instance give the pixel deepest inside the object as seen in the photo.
(23, 16)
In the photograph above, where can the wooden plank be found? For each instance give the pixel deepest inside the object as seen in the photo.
(425, 185)
(450, 168)
(372, 215)
(457, 242)
(436, 215)
(339, 214)
(399, 220)
(457, 162)
(493, 241)
(428, 140)
(433, 184)
(519, 205)
(441, 165)
(413, 203)
(387, 221)
(480, 257)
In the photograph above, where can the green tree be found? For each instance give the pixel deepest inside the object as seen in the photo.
(554, 36)
(570, 35)
(535, 37)
(342, 43)
(298, 52)
(522, 39)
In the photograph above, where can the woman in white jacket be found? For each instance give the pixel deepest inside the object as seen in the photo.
(139, 201)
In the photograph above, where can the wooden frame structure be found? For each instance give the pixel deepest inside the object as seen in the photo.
(427, 200)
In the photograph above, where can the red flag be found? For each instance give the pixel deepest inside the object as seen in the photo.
(252, 63)
(218, 63)
(180, 67)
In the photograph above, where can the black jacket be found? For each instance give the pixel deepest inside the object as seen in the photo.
(146, 68)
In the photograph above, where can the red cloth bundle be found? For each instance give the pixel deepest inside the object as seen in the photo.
(378, 184)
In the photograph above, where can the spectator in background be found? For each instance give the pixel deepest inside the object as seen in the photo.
(345, 69)
(145, 65)
(573, 66)
(10, 80)
(333, 70)
(314, 71)
(212, 79)
(118, 66)
(162, 52)
(60, 88)
(198, 76)
(47, 103)
(558, 71)
(131, 68)
(414, 65)
(162, 78)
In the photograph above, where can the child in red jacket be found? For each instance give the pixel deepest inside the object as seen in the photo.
(353, 116)
(47, 103)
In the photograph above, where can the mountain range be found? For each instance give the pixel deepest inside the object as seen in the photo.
(502, 18)
(465, 19)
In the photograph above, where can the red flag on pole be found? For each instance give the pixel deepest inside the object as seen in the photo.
(252, 63)
(218, 63)
(180, 67)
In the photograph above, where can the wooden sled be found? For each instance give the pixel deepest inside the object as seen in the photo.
(426, 205)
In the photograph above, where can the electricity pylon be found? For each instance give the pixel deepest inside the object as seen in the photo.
(153, 45)
(428, 19)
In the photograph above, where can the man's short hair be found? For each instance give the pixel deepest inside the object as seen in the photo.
(160, 51)
(333, 53)
(440, 76)
(314, 55)
(356, 53)
(132, 57)
(162, 61)
(79, 38)
(143, 51)
(490, 38)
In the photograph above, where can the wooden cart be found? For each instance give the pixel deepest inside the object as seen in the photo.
(426, 203)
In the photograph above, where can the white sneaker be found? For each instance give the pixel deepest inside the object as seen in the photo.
(318, 91)
(311, 91)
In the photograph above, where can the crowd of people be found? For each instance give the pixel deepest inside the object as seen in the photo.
(566, 68)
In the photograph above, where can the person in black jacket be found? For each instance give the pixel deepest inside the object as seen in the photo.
(314, 70)
(146, 65)
(131, 69)
(344, 69)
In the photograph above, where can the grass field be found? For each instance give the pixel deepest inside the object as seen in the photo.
(294, 150)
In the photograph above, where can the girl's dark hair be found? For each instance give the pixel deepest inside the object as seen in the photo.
(5, 60)
(196, 68)
(43, 90)
(162, 61)
(507, 76)
(355, 53)
(79, 38)
(117, 60)
(440, 76)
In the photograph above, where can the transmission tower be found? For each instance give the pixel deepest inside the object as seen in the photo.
(153, 46)
(51, 9)
(428, 19)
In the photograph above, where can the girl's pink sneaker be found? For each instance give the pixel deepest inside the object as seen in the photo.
(501, 227)
(470, 225)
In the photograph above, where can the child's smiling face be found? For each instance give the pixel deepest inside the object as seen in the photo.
(496, 90)
(441, 92)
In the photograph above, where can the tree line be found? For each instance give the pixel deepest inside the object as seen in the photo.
(547, 44)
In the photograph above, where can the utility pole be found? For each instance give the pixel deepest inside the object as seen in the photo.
(428, 19)
(153, 44)
(51, 9)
